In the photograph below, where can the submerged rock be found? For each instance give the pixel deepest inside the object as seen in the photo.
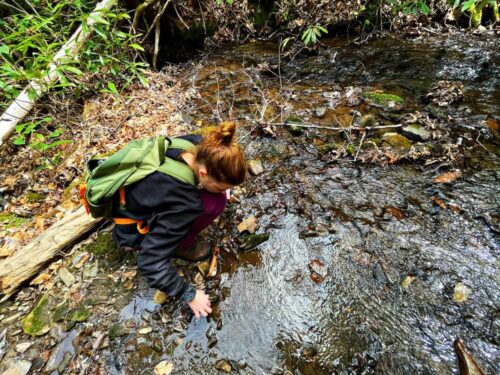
(416, 132)
(223, 365)
(461, 293)
(164, 368)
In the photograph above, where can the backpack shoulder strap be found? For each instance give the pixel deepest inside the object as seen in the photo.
(178, 170)
(180, 144)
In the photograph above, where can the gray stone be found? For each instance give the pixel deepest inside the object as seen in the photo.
(22, 347)
(416, 132)
(67, 277)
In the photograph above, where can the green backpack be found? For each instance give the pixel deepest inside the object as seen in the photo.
(132, 163)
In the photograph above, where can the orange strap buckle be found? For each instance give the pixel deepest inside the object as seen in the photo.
(141, 228)
(83, 200)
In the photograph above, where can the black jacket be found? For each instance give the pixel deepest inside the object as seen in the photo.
(169, 207)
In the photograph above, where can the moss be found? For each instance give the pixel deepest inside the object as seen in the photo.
(39, 320)
(60, 312)
(33, 197)
(327, 147)
(81, 314)
(350, 149)
(11, 220)
(203, 131)
(102, 245)
(117, 330)
(295, 130)
(383, 99)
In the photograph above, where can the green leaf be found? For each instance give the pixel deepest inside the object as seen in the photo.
(101, 33)
(137, 47)
(56, 133)
(424, 8)
(72, 69)
(144, 81)
(112, 88)
(4, 49)
(98, 19)
(19, 141)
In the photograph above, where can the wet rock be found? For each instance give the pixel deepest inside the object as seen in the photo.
(255, 167)
(117, 330)
(384, 100)
(157, 345)
(416, 132)
(242, 364)
(397, 141)
(80, 314)
(22, 347)
(250, 242)
(20, 368)
(320, 112)
(60, 356)
(461, 293)
(164, 368)
(67, 277)
(223, 365)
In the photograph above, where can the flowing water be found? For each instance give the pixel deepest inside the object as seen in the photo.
(368, 226)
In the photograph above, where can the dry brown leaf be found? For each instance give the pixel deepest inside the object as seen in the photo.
(40, 279)
(40, 223)
(9, 181)
(447, 177)
(82, 260)
(395, 212)
(249, 224)
(439, 202)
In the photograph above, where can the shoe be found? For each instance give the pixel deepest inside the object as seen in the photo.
(201, 250)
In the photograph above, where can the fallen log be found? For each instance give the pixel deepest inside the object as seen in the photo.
(26, 262)
(25, 101)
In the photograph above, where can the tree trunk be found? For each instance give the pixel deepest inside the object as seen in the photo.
(26, 262)
(36, 88)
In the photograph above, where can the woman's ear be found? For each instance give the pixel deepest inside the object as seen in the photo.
(202, 171)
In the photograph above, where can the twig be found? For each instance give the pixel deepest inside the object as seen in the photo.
(157, 45)
(303, 125)
(360, 144)
(138, 11)
(178, 15)
(156, 20)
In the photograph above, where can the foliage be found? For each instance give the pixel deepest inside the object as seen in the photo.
(312, 34)
(32, 35)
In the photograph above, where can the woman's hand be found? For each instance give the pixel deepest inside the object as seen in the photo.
(200, 304)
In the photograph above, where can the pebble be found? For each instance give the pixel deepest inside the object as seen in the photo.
(22, 347)
(67, 277)
(145, 330)
(255, 167)
(163, 368)
(242, 364)
(320, 112)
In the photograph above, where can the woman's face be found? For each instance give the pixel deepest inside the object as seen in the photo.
(211, 184)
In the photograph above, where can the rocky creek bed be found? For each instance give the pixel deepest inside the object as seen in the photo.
(377, 244)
